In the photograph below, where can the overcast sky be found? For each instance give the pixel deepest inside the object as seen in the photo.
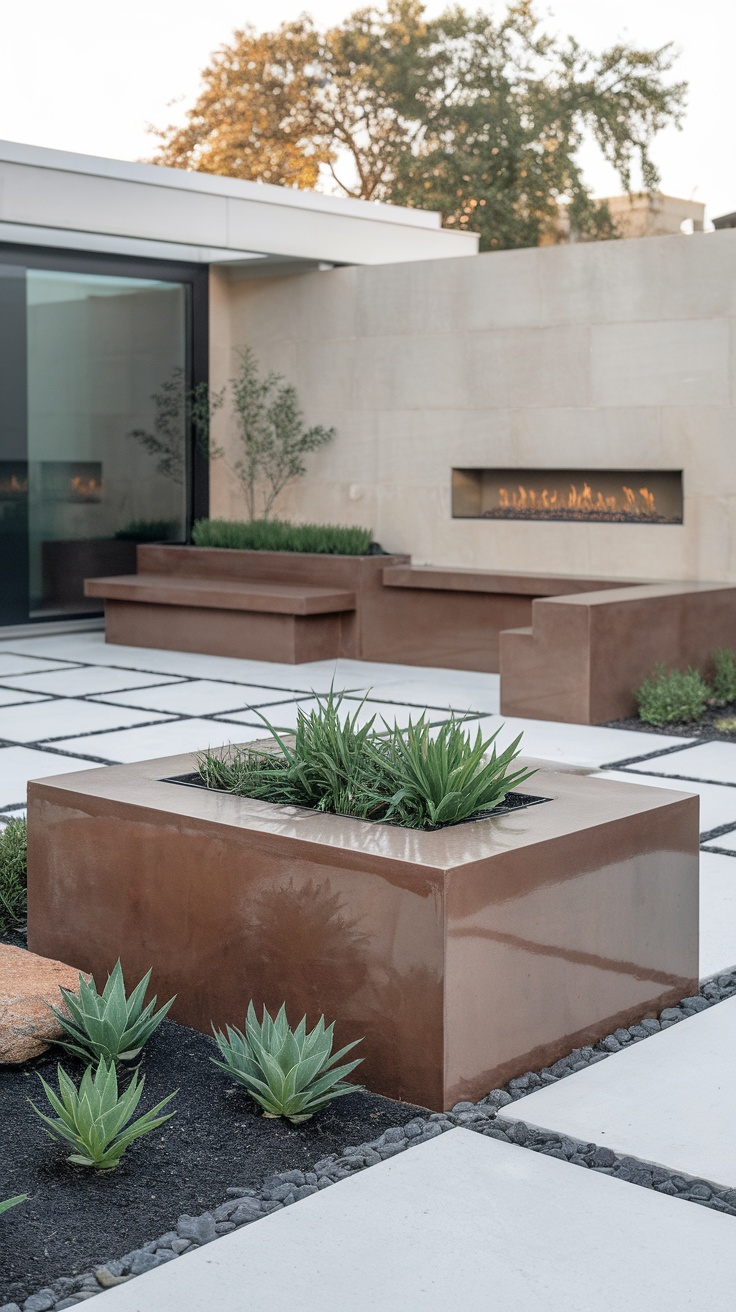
(89, 76)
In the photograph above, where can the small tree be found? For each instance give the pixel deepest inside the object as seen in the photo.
(272, 434)
(176, 408)
(270, 428)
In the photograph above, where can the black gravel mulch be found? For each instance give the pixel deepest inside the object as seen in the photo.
(76, 1218)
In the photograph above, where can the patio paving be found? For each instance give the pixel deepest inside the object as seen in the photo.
(70, 700)
(667, 1100)
(459, 1222)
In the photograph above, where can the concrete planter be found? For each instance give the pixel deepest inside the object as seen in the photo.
(464, 956)
(262, 605)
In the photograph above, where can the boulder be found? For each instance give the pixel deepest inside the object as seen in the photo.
(28, 984)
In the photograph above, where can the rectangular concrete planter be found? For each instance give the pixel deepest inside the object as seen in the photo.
(261, 605)
(464, 956)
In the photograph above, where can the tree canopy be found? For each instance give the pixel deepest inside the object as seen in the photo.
(478, 117)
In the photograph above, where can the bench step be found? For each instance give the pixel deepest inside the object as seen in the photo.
(221, 594)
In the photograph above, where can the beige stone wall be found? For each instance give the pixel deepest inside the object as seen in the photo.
(594, 356)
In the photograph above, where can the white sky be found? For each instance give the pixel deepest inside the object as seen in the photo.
(86, 75)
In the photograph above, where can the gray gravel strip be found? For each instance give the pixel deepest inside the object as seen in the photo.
(245, 1205)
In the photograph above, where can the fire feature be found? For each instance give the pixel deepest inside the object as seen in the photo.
(608, 496)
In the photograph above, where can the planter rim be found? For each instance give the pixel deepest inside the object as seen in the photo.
(576, 803)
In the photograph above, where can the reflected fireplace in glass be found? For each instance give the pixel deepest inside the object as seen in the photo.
(611, 496)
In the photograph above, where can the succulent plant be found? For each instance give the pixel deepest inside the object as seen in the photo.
(12, 1202)
(95, 1119)
(288, 1072)
(108, 1024)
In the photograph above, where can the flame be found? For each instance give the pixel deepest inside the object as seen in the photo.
(523, 498)
(85, 488)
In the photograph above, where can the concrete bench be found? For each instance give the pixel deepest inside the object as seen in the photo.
(255, 620)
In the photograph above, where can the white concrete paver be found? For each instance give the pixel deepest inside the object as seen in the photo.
(19, 764)
(717, 913)
(166, 739)
(198, 697)
(43, 721)
(667, 1100)
(82, 681)
(714, 762)
(464, 1223)
(725, 841)
(583, 745)
(11, 664)
(717, 801)
(14, 697)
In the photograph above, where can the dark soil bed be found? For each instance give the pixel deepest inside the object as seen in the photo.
(76, 1218)
(704, 729)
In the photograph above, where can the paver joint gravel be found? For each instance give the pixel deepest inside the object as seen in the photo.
(244, 1204)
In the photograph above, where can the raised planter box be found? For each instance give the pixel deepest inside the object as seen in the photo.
(261, 605)
(464, 956)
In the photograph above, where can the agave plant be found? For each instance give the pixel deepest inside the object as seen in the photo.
(97, 1120)
(108, 1024)
(288, 1072)
(12, 1202)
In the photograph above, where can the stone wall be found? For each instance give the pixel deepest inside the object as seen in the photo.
(615, 355)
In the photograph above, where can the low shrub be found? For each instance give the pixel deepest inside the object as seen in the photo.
(108, 1025)
(277, 535)
(724, 679)
(419, 777)
(149, 530)
(674, 697)
(13, 875)
(95, 1120)
(288, 1072)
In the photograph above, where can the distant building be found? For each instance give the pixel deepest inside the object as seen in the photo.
(656, 215)
(725, 221)
(642, 215)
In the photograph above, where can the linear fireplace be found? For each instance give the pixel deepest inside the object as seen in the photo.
(611, 496)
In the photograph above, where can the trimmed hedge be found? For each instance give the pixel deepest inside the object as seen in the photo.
(277, 535)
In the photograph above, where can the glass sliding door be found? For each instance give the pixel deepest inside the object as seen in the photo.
(93, 365)
(99, 348)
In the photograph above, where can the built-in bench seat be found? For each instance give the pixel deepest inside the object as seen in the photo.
(223, 594)
(290, 622)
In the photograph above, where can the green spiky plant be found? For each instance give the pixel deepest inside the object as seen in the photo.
(289, 1073)
(420, 777)
(96, 1120)
(108, 1024)
(12, 1202)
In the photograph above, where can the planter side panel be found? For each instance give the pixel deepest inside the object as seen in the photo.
(223, 915)
(553, 947)
(248, 635)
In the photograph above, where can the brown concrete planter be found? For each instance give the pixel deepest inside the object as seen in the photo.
(464, 956)
(261, 605)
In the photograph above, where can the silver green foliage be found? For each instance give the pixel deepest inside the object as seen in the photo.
(418, 777)
(96, 1120)
(288, 1072)
(12, 1202)
(108, 1024)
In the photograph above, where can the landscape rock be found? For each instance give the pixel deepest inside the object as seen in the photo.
(28, 984)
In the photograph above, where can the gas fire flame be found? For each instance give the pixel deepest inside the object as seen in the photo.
(629, 504)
